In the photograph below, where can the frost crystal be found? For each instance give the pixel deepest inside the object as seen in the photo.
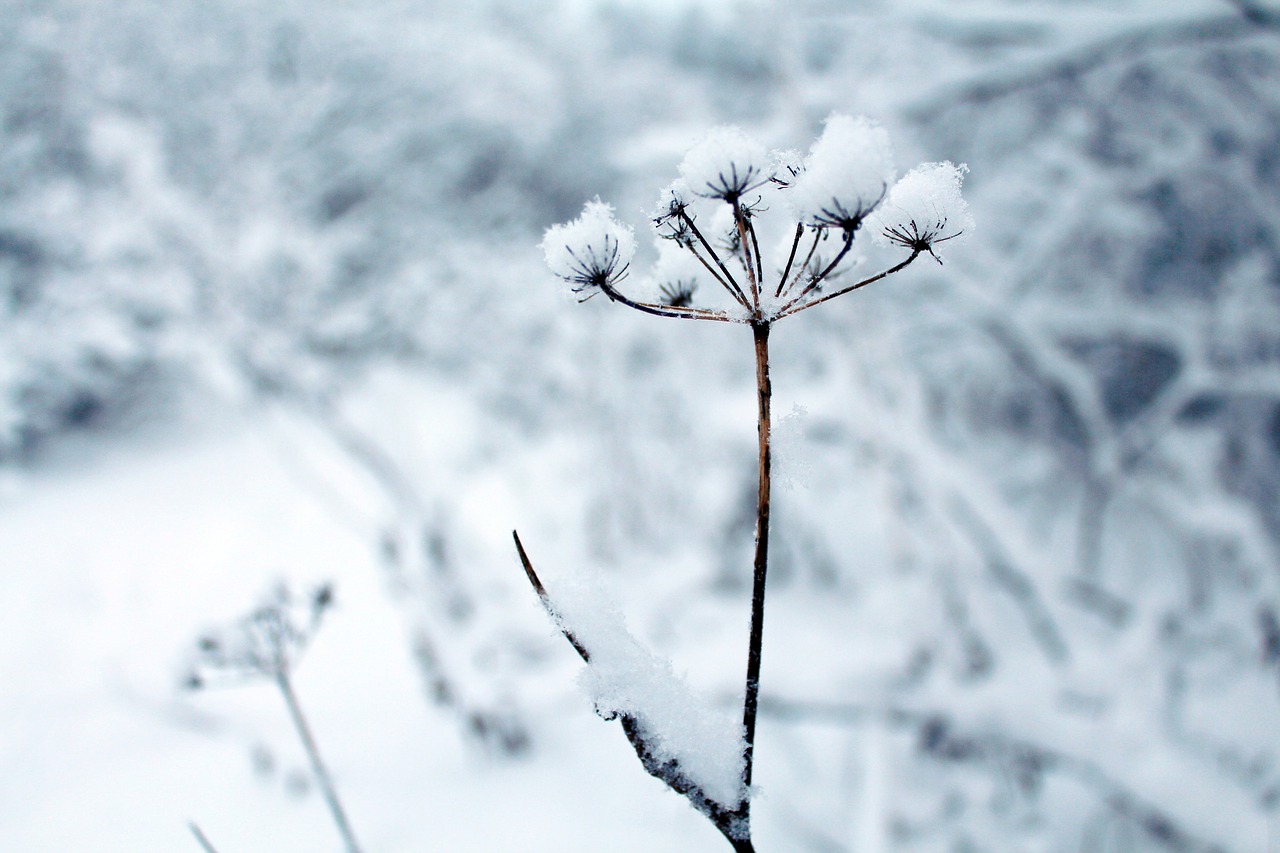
(845, 175)
(725, 164)
(624, 677)
(924, 209)
(592, 251)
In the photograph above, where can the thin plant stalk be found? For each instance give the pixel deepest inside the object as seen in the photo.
(201, 838)
(318, 768)
(760, 564)
(589, 258)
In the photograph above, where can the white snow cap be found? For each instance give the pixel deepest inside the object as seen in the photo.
(924, 209)
(624, 677)
(674, 196)
(846, 174)
(725, 164)
(595, 248)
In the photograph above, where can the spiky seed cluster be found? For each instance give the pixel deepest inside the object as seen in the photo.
(678, 294)
(925, 209)
(268, 641)
(725, 164)
(710, 224)
(672, 217)
(845, 176)
(592, 252)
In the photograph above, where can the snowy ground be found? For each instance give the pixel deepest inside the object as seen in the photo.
(120, 552)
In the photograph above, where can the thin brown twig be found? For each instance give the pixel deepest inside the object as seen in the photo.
(795, 279)
(796, 309)
(536, 582)
(791, 258)
(730, 283)
(684, 313)
(748, 263)
(820, 277)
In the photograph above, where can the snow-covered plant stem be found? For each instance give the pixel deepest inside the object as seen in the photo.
(710, 223)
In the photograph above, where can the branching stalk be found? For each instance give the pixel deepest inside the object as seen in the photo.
(792, 308)
(682, 313)
(730, 283)
(599, 237)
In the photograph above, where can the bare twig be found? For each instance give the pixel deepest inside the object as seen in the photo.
(682, 313)
(793, 308)
(791, 259)
(730, 283)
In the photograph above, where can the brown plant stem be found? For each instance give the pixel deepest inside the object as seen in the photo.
(760, 566)
(792, 308)
(321, 772)
(664, 310)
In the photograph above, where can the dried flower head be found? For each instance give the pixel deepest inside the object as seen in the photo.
(845, 176)
(592, 251)
(725, 164)
(672, 216)
(268, 641)
(679, 293)
(925, 209)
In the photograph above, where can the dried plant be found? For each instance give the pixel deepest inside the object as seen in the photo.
(269, 642)
(711, 224)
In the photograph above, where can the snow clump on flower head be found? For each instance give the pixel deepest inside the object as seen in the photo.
(592, 251)
(671, 217)
(846, 174)
(924, 209)
(725, 164)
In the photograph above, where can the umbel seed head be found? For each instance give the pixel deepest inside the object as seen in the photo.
(925, 209)
(846, 175)
(592, 251)
(725, 164)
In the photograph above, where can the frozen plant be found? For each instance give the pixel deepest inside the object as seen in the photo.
(730, 198)
(268, 643)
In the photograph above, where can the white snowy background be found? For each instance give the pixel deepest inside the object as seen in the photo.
(272, 309)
